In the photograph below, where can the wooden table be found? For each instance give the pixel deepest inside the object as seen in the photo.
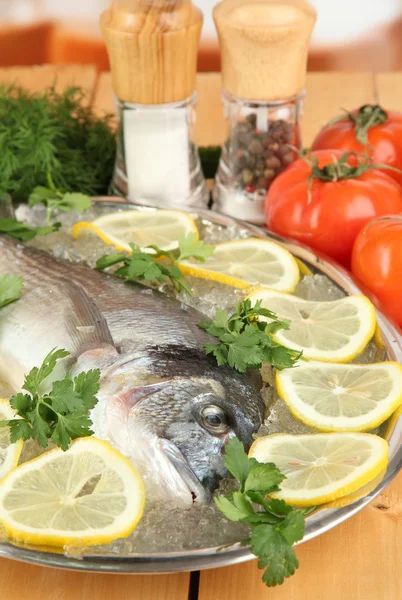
(359, 560)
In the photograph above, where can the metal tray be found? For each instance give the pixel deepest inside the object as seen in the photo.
(316, 524)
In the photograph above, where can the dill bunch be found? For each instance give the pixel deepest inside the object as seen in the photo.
(54, 135)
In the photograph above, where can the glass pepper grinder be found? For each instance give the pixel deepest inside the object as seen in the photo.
(152, 47)
(264, 47)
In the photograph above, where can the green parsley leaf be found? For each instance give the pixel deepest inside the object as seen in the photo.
(280, 563)
(19, 429)
(87, 386)
(71, 426)
(264, 478)
(245, 341)
(275, 554)
(54, 199)
(230, 511)
(191, 247)
(292, 527)
(109, 260)
(244, 350)
(22, 403)
(40, 194)
(279, 507)
(260, 517)
(237, 462)
(20, 231)
(60, 414)
(41, 430)
(63, 397)
(37, 375)
(10, 289)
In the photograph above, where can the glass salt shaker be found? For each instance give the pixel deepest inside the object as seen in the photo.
(152, 48)
(264, 46)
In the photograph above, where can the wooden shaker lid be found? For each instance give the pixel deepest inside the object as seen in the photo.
(152, 46)
(264, 46)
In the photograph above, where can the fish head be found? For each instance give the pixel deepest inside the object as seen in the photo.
(175, 428)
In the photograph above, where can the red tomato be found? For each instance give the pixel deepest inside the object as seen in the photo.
(377, 262)
(384, 141)
(332, 214)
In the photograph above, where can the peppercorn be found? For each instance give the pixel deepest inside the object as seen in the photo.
(259, 156)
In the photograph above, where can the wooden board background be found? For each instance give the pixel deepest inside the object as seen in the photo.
(359, 560)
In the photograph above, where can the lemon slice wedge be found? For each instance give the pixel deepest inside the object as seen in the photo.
(335, 331)
(241, 263)
(90, 494)
(9, 453)
(322, 467)
(161, 228)
(333, 397)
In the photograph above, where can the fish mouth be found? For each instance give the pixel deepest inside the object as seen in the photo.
(166, 473)
(197, 492)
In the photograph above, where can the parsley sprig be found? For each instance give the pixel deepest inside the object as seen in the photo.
(10, 289)
(244, 341)
(55, 199)
(157, 265)
(276, 526)
(60, 414)
(20, 231)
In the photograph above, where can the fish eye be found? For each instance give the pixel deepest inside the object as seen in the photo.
(214, 419)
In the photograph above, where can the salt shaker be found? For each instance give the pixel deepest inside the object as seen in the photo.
(152, 47)
(264, 47)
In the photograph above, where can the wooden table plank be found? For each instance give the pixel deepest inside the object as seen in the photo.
(20, 581)
(328, 93)
(389, 89)
(38, 78)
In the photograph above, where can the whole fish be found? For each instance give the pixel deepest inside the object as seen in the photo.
(162, 402)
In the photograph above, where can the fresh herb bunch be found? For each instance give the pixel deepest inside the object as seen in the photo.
(55, 199)
(56, 134)
(160, 266)
(10, 289)
(276, 526)
(244, 341)
(20, 231)
(60, 414)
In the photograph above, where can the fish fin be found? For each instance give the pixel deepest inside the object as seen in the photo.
(86, 324)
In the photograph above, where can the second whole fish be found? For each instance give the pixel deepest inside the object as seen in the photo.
(162, 402)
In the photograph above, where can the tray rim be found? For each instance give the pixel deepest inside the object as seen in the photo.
(316, 524)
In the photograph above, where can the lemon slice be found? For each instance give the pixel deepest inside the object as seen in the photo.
(335, 331)
(90, 494)
(9, 453)
(161, 228)
(357, 494)
(322, 467)
(335, 397)
(242, 263)
(392, 422)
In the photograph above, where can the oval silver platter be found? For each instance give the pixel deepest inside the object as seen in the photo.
(317, 523)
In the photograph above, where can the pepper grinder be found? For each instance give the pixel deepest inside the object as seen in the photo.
(152, 47)
(264, 47)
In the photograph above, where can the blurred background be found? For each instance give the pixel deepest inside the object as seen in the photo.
(350, 35)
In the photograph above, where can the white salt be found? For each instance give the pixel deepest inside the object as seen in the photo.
(157, 156)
